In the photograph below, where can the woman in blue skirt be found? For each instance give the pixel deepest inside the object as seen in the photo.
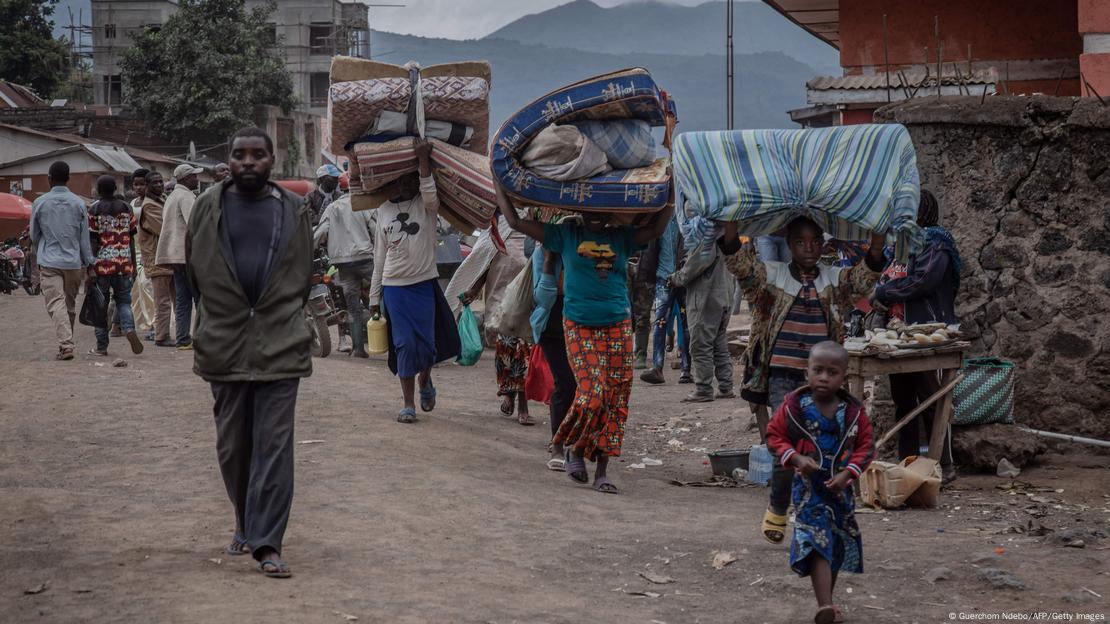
(422, 329)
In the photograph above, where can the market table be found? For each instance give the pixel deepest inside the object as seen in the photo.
(948, 359)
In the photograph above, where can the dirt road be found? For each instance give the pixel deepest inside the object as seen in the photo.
(111, 498)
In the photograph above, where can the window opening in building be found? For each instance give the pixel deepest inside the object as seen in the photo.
(320, 38)
(318, 89)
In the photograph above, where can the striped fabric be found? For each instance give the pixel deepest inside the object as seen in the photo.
(462, 177)
(627, 143)
(804, 327)
(851, 180)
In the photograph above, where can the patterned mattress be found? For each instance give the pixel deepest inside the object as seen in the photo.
(626, 94)
(354, 105)
(463, 182)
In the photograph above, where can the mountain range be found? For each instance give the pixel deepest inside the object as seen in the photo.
(683, 47)
(767, 85)
(662, 28)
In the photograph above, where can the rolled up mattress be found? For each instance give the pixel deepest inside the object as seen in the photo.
(626, 94)
(851, 180)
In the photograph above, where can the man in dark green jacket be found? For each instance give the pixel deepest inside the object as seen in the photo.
(249, 257)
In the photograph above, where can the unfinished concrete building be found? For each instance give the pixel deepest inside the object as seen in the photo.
(311, 33)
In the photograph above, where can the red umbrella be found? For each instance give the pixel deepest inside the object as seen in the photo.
(15, 214)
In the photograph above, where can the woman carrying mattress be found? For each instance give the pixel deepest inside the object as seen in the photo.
(422, 328)
(598, 329)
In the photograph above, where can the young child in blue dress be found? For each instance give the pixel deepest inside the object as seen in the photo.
(822, 432)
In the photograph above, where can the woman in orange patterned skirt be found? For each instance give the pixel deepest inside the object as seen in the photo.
(597, 318)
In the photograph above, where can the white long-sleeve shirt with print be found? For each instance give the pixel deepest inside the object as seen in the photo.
(405, 241)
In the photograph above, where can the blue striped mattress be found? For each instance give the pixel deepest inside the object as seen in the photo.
(627, 94)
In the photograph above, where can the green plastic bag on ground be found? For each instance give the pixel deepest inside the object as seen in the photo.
(470, 338)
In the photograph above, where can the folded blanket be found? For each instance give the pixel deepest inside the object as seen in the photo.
(354, 105)
(627, 143)
(564, 153)
(395, 125)
(466, 192)
(851, 180)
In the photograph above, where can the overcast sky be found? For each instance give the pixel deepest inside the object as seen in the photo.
(464, 19)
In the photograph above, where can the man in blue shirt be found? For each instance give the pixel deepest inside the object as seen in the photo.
(60, 234)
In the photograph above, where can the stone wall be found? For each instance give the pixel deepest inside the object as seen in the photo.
(1024, 185)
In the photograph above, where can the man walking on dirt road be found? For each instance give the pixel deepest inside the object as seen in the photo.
(60, 236)
(248, 256)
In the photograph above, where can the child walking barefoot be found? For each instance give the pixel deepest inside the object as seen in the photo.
(823, 433)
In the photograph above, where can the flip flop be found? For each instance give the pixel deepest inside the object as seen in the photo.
(576, 468)
(557, 465)
(428, 397)
(526, 420)
(277, 571)
(825, 615)
(774, 527)
(238, 546)
(406, 415)
(605, 486)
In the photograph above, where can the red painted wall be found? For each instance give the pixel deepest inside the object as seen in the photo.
(83, 184)
(996, 30)
(854, 117)
(1094, 16)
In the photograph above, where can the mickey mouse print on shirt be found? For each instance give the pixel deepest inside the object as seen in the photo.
(401, 228)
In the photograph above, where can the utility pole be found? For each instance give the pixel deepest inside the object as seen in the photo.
(730, 64)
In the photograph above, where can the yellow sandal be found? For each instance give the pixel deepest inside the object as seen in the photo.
(774, 527)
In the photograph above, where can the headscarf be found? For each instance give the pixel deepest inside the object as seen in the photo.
(940, 236)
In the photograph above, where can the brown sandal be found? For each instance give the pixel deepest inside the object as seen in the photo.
(825, 615)
(64, 354)
(525, 419)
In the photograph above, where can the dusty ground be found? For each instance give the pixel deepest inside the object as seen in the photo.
(112, 499)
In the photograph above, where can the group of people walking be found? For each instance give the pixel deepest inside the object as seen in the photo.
(241, 255)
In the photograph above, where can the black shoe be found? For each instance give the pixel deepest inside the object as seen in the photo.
(165, 343)
(686, 378)
(653, 376)
(726, 394)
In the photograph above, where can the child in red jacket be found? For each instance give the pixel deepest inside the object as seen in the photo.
(823, 433)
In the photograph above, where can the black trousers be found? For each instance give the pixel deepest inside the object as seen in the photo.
(254, 445)
(555, 352)
(908, 390)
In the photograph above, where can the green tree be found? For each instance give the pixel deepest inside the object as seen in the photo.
(203, 74)
(29, 53)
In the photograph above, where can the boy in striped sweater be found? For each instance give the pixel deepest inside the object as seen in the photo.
(796, 305)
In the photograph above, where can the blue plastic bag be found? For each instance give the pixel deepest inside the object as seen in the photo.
(470, 338)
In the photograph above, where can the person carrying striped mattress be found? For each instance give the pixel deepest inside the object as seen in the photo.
(796, 305)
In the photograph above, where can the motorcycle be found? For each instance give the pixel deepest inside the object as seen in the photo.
(322, 310)
(16, 272)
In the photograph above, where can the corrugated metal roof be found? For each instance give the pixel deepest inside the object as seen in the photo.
(879, 81)
(13, 95)
(114, 157)
(821, 18)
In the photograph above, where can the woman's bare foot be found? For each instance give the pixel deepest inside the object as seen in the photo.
(523, 417)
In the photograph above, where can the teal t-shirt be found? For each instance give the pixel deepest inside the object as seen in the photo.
(595, 271)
